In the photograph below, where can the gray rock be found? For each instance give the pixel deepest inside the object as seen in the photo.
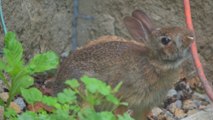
(180, 95)
(169, 116)
(156, 111)
(189, 105)
(172, 107)
(19, 101)
(171, 93)
(197, 103)
(178, 103)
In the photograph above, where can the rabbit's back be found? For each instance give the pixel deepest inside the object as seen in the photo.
(112, 60)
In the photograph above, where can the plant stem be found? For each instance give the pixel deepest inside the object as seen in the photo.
(4, 80)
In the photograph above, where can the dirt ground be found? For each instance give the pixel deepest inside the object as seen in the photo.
(44, 25)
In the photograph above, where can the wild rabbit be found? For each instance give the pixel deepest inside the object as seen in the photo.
(147, 66)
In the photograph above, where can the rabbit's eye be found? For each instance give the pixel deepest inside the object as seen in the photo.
(165, 40)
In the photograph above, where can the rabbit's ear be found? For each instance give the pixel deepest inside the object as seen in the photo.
(135, 28)
(144, 19)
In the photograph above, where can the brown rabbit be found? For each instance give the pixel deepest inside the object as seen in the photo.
(148, 66)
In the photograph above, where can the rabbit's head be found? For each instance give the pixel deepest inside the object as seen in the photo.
(169, 46)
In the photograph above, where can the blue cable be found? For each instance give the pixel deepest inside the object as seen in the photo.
(2, 19)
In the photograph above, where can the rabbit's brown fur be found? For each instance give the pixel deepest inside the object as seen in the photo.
(146, 69)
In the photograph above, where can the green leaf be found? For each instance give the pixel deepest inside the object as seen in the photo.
(10, 113)
(31, 95)
(88, 114)
(1, 102)
(61, 115)
(27, 116)
(20, 81)
(51, 101)
(13, 50)
(67, 96)
(2, 65)
(113, 99)
(43, 116)
(93, 85)
(117, 87)
(106, 116)
(72, 83)
(75, 108)
(43, 62)
(92, 99)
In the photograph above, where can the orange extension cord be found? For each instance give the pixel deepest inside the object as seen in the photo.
(207, 86)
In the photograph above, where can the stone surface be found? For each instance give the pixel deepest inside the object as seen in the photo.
(4, 96)
(19, 101)
(171, 93)
(179, 113)
(189, 105)
(156, 111)
(202, 115)
(16, 107)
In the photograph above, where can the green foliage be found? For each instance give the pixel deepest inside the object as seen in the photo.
(97, 87)
(75, 102)
(31, 95)
(67, 96)
(10, 113)
(17, 71)
(42, 62)
(68, 107)
(90, 114)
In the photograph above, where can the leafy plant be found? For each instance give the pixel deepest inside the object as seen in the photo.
(15, 73)
(78, 101)
(67, 104)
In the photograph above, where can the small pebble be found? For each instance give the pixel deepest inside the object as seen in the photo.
(194, 82)
(189, 105)
(179, 113)
(4, 96)
(170, 97)
(156, 111)
(178, 104)
(171, 93)
(16, 107)
(169, 116)
(65, 54)
(180, 95)
(172, 107)
(197, 103)
(19, 101)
